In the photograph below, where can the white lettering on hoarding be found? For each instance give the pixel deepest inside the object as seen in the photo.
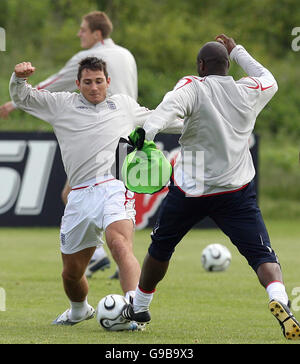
(28, 191)
(39, 163)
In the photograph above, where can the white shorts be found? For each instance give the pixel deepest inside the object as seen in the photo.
(90, 210)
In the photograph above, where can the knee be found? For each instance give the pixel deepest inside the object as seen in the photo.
(161, 252)
(120, 247)
(71, 274)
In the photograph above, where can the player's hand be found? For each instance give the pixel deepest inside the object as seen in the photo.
(6, 109)
(137, 138)
(229, 43)
(24, 70)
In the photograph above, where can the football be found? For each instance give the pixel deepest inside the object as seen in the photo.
(109, 311)
(215, 258)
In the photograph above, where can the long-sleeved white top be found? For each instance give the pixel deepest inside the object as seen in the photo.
(121, 67)
(219, 116)
(88, 134)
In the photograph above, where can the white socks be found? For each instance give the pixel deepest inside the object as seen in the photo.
(142, 300)
(129, 296)
(276, 291)
(99, 253)
(78, 310)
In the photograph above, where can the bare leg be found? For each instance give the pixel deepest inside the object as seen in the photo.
(119, 238)
(153, 271)
(74, 280)
(269, 272)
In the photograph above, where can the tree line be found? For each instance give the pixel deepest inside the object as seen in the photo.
(165, 37)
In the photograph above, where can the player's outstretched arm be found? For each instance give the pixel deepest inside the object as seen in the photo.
(260, 80)
(41, 104)
(22, 70)
(252, 67)
(61, 81)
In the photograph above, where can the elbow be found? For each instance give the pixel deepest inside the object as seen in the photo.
(13, 95)
(275, 87)
(16, 97)
(274, 83)
(16, 102)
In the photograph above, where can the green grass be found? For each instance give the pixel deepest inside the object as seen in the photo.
(190, 306)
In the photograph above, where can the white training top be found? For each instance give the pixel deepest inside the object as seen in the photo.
(219, 116)
(88, 134)
(121, 68)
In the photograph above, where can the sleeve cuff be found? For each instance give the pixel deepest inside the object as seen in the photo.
(14, 104)
(18, 79)
(234, 52)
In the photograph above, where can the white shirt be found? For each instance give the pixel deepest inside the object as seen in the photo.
(88, 134)
(219, 116)
(121, 68)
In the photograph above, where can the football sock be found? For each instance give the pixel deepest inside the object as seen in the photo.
(276, 291)
(78, 310)
(129, 296)
(142, 300)
(99, 253)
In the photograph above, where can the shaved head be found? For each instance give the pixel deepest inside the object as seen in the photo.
(213, 59)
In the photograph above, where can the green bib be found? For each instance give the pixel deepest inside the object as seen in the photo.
(146, 170)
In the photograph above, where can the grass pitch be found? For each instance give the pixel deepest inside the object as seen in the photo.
(190, 306)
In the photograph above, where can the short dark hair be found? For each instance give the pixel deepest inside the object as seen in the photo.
(215, 58)
(98, 20)
(92, 63)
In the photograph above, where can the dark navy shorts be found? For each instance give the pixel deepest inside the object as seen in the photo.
(235, 213)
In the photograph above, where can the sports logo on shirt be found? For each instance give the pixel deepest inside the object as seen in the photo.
(111, 105)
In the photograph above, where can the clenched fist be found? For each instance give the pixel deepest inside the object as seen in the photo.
(24, 70)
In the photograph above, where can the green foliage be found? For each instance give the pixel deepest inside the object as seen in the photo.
(164, 36)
